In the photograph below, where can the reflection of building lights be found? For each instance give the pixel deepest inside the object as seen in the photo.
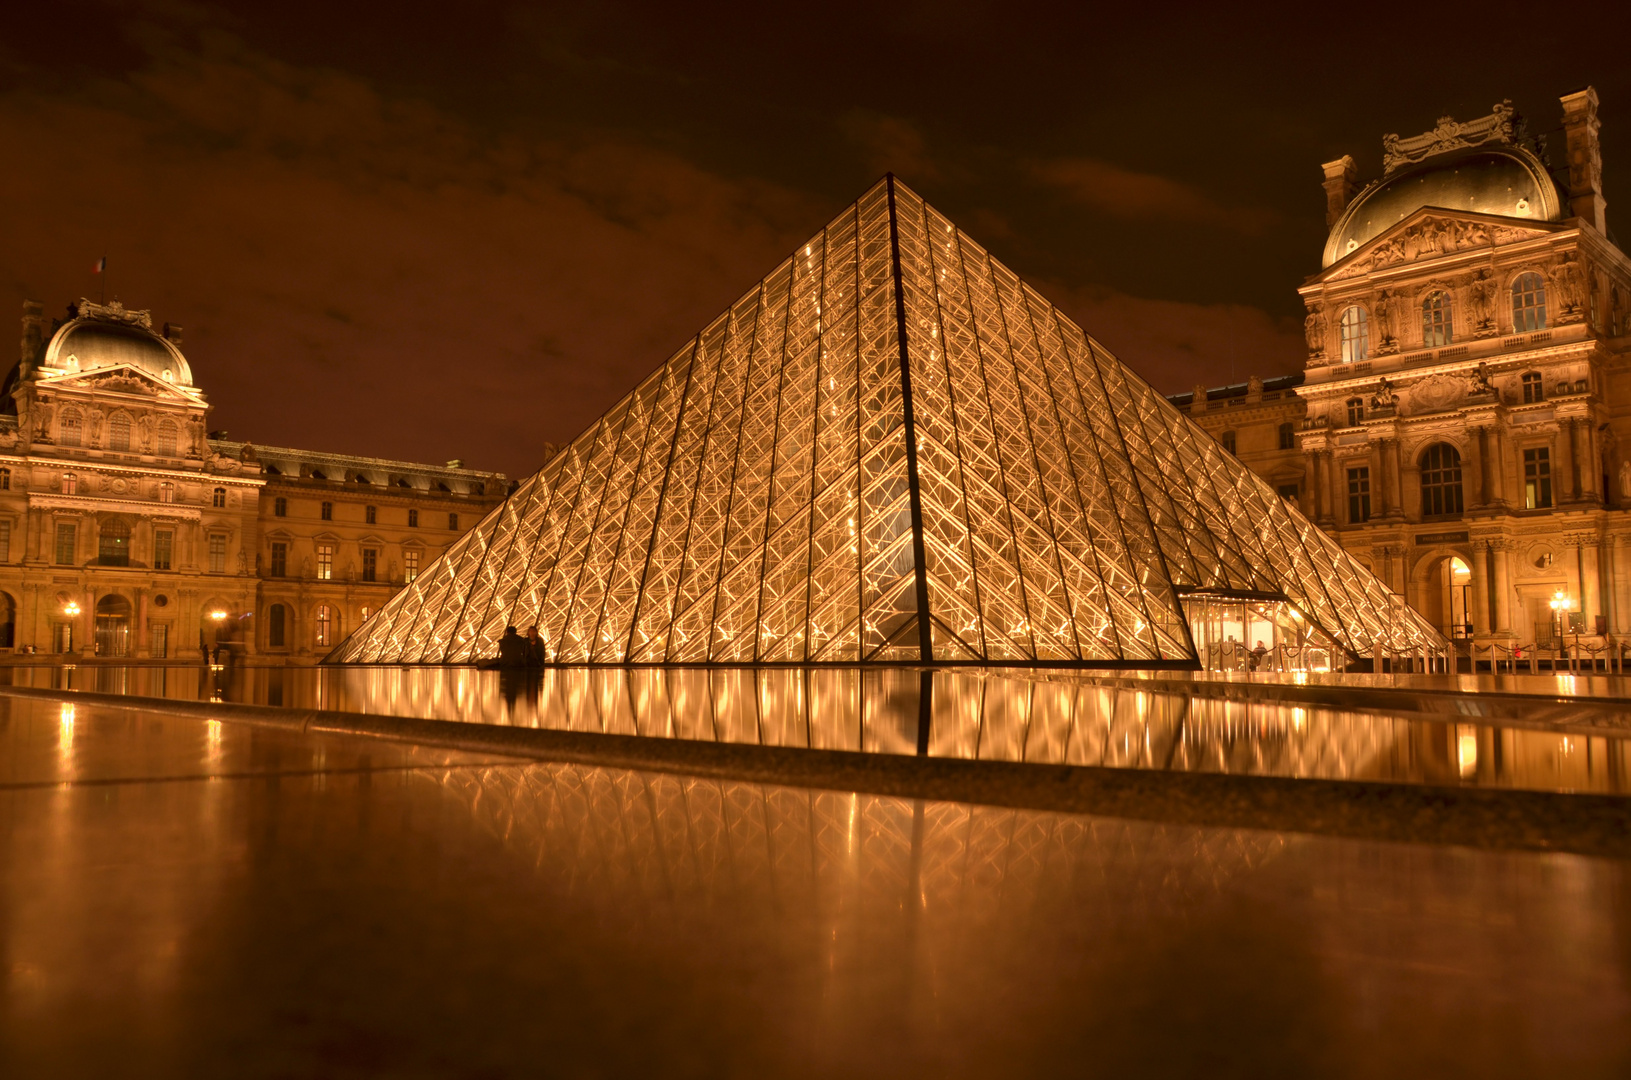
(1466, 749)
(65, 728)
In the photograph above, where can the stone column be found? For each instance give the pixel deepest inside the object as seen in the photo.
(1590, 600)
(1588, 465)
(1503, 587)
(1620, 586)
(1327, 497)
(1572, 441)
(1497, 466)
(1480, 588)
(1395, 485)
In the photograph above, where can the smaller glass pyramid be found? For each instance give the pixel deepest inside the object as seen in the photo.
(891, 449)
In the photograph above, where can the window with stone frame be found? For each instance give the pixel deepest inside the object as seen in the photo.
(1288, 436)
(1537, 478)
(1528, 303)
(280, 507)
(370, 515)
(410, 562)
(280, 559)
(164, 542)
(218, 498)
(413, 519)
(1356, 411)
(167, 492)
(70, 484)
(119, 432)
(70, 428)
(1287, 492)
(1533, 387)
(218, 553)
(164, 439)
(325, 562)
(113, 542)
(328, 511)
(1441, 492)
(277, 626)
(1354, 334)
(370, 564)
(453, 522)
(67, 541)
(1359, 495)
(1228, 441)
(1435, 319)
(325, 625)
(5, 541)
(5, 479)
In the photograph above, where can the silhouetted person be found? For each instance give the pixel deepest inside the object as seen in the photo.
(535, 648)
(512, 649)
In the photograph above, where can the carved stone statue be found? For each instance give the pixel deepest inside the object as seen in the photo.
(144, 433)
(1386, 397)
(42, 423)
(1314, 329)
(1480, 383)
(1385, 312)
(1481, 300)
(1566, 278)
(1625, 479)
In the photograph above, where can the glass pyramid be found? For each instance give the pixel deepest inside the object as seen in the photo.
(890, 449)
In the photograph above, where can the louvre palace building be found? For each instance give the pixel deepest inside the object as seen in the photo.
(128, 530)
(1463, 422)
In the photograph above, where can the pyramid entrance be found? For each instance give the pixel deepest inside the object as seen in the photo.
(890, 450)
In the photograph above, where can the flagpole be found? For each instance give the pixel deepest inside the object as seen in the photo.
(104, 277)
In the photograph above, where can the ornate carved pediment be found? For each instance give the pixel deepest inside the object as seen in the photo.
(1500, 126)
(114, 312)
(121, 380)
(1436, 393)
(1429, 236)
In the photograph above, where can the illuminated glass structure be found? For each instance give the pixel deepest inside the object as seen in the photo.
(890, 450)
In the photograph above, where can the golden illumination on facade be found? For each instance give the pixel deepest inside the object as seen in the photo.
(890, 450)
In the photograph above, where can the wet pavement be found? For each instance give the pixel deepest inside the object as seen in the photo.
(181, 896)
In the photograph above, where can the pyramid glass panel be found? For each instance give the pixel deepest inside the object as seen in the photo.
(889, 450)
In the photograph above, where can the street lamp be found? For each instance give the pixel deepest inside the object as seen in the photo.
(71, 610)
(216, 617)
(1559, 604)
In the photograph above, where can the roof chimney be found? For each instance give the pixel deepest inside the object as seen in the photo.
(172, 334)
(1585, 158)
(34, 328)
(1341, 181)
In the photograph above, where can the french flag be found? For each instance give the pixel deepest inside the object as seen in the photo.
(101, 265)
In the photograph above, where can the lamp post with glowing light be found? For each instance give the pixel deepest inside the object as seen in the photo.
(216, 617)
(71, 610)
(1559, 604)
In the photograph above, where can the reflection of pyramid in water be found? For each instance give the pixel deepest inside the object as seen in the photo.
(890, 399)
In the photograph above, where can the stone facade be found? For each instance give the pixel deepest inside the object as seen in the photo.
(127, 531)
(1464, 420)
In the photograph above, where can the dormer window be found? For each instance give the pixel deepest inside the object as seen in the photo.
(1356, 411)
(1435, 320)
(1355, 328)
(1533, 389)
(1528, 303)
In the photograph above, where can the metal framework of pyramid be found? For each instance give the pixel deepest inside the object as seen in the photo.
(894, 450)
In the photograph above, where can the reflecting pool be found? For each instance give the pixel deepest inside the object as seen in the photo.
(1058, 718)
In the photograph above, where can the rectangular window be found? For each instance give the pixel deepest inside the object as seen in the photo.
(325, 562)
(410, 560)
(370, 561)
(1359, 495)
(276, 625)
(163, 542)
(280, 507)
(370, 515)
(5, 479)
(218, 553)
(280, 559)
(328, 511)
(453, 522)
(413, 519)
(1537, 478)
(67, 534)
(5, 541)
(161, 641)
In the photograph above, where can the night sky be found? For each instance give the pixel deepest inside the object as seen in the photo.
(435, 230)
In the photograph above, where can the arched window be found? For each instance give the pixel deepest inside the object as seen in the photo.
(70, 483)
(167, 492)
(1228, 441)
(1435, 320)
(69, 428)
(1288, 437)
(1355, 328)
(1356, 411)
(218, 499)
(119, 432)
(325, 625)
(164, 442)
(113, 542)
(1440, 481)
(277, 626)
(1533, 391)
(1528, 303)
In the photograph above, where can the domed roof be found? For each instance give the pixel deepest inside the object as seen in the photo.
(100, 338)
(1505, 180)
